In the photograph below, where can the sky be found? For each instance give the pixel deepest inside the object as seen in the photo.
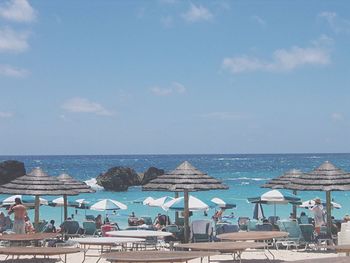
(174, 77)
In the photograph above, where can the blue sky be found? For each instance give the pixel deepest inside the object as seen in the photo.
(168, 76)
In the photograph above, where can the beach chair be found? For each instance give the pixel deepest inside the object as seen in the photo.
(264, 227)
(307, 231)
(90, 228)
(90, 218)
(71, 228)
(273, 219)
(295, 236)
(201, 231)
(252, 225)
(147, 220)
(304, 220)
(226, 228)
(243, 223)
(41, 226)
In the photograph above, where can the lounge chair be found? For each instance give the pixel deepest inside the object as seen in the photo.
(147, 220)
(243, 223)
(201, 231)
(90, 228)
(71, 228)
(226, 228)
(273, 219)
(90, 217)
(295, 236)
(252, 225)
(304, 220)
(264, 227)
(307, 231)
(41, 226)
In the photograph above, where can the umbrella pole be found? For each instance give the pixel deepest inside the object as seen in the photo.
(186, 218)
(294, 206)
(176, 212)
(329, 212)
(36, 215)
(65, 207)
(274, 209)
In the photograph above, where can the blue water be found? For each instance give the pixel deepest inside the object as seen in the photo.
(242, 173)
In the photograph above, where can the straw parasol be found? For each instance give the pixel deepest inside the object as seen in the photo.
(37, 183)
(325, 178)
(78, 186)
(282, 181)
(185, 178)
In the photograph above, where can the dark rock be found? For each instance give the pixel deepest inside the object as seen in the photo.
(10, 170)
(151, 174)
(118, 179)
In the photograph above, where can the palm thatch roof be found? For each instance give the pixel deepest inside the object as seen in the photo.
(37, 183)
(184, 177)
(74, 184)
(326, 177)
(284, 180)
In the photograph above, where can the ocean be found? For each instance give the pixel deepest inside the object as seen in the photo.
(243, 173)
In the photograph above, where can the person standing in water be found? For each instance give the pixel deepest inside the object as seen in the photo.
(20, 213)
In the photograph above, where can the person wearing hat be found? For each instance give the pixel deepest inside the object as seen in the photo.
(318, 215)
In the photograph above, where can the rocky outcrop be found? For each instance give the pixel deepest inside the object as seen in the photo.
(10, 170)
(151, 174)
(118, 179)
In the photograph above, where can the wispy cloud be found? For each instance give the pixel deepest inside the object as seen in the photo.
(174, 88)
(18, 11)
(197, 13)
(282, 60)
(337, 117)
(9, 71)
(224, 116)
(336, 23)
(83, 105)
(12, 41)
(259, 20)
(6, 115)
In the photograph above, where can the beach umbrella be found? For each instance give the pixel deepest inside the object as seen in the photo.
(185, 178)
(275, 197)
(258, 212)
(37, 183)
(107, 205)
(311, 203)
(147, 200)
(78, 186)
(82, 203)
(28, 201)
(178, 204)
(282, 181)
(326, 178)
(160, 201)
(221, 203)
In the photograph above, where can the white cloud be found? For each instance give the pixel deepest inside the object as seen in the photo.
(282, 60)
(174, 88)
(336, 116)
(259, 20)
(9, 71)
(18, 11)
(83, 105)
(224, 115)
(197, 13)
(12, 41)
(336, 23)
(6, 115)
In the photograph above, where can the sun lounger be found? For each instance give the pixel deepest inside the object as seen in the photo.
(201, 231)
(90, 228)
(243, 223)
(295, 236)
(71, 228)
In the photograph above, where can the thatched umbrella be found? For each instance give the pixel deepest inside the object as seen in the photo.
(284, 180)
(326, 178)
(185, 178)
(77, 186)
(37, 183)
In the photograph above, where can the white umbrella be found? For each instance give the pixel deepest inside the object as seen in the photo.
(194, 204)
(160, 201)
(147, 200)
(26, 200)
(311, 203)
(221, 203)
(108, 204)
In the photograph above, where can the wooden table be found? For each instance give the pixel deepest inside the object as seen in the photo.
(139, 233)
(322, 260)
(28, 237)
(38, 251)
(234, 248)
(156, 256)
(103, 242)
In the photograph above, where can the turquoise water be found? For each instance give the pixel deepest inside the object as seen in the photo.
(242, 173)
